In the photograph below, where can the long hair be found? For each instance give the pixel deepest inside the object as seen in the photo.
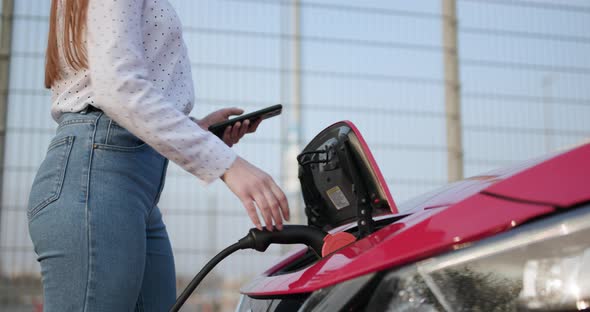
(74, 23)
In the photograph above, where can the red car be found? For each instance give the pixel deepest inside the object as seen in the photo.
(514, 239)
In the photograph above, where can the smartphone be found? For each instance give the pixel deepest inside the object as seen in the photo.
(264, 113)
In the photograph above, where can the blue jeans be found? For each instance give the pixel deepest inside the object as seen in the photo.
(94, 220)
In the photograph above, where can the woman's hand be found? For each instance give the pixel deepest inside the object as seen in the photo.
(232, 134)
(254, 186)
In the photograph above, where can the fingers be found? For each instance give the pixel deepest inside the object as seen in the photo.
(227, 136)
(244, 128)
(274, 209)
(226, 112)
(277, 201)
(270, 204)
(256, 189)
(282, 200)
(264, 208)
(251, 210)
(235, 132)
(254, 125)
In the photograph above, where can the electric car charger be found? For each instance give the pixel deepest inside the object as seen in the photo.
(259, 240)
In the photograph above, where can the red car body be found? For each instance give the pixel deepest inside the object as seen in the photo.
(451, 218)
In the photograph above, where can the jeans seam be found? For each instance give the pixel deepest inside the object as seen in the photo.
(160, 188)
(74, 122)
(87, 294)
(107, 136)
(125, 149)
(139, 303)
(59, 142)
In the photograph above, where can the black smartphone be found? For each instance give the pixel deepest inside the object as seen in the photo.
(264, 113)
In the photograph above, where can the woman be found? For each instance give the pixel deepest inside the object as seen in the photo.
(121, 85)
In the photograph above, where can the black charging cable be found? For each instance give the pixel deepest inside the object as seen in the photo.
(258, 240)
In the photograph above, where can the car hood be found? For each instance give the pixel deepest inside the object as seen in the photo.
(444, 220)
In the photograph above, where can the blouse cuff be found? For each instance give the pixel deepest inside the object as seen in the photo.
(217, 161)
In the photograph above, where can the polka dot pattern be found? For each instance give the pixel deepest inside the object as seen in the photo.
(139, 74)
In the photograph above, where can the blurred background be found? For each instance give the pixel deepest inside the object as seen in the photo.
(440, 89)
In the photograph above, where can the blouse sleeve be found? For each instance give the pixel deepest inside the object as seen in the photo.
(123, 90)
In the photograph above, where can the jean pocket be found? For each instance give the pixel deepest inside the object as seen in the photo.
(120, 139)
(48, 182)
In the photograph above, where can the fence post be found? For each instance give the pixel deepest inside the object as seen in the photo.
(452, 91)
(5, 56)
(291, 135)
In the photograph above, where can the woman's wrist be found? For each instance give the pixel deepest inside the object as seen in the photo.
(231, 166)
(199, 122)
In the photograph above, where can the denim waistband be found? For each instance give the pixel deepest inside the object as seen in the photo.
(88, 115)
(94, 121)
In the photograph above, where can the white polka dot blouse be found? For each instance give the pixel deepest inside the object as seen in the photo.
(139, 75)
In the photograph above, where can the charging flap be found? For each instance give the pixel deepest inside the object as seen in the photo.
(340, 179)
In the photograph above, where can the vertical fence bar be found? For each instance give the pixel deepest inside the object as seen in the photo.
(452, 91)
(293, 133)
(5, 55)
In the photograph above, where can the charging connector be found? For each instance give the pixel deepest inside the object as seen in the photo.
(291, 234)
(259, 240)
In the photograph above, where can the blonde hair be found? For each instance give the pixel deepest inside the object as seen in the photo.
(75, 13)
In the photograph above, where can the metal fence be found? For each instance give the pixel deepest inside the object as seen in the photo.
(523, 72)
